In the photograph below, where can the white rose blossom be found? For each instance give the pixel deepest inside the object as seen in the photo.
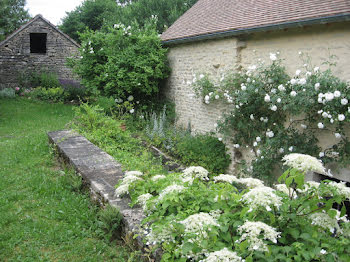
(320, 125)
(344, 101)
(293, 93)
(341, 117)
(267, 98)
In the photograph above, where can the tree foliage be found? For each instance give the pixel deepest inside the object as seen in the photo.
(12, 15)
(91, 14)
(94, 14)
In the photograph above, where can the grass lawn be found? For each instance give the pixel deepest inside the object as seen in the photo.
(43, 215)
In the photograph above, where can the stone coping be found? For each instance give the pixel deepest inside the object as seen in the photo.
(100, 172)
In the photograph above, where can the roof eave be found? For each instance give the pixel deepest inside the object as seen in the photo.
(264, 28)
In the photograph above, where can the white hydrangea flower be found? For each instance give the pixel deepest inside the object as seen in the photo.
(303, 163)
(341, 117)
(133, 173)
(142, 200)
(122, 190)
(252, 230)
(283, 188)
(198, 223)
(226, 178)
(323, 220)
(170, 189)
(224, 255)
(293, 81)
(196, 172)
(157, 177)
(341, 188)
(159, 236)
(130, 179)
(251, 182)
(261, 196)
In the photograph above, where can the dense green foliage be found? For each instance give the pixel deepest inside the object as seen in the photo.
(272, 113)
(203, 150)
(12, 16)
(45, 216)
(122, 61)
(93, 15)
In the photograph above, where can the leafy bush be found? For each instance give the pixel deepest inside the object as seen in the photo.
(273, 113)
(121, 61)
(110, 222)
(73, 89)
(196, 217)
(7, 93)
(48, 94)
(43, 78)
(203, 150)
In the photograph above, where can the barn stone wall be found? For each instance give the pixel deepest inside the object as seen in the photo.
(16, 58)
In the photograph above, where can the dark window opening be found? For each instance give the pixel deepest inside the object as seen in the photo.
(38, 43)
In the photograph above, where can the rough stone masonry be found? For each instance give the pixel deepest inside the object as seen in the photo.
(38, 45)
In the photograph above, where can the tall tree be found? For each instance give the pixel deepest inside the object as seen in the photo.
(167, 11)
(91, 14)
(12, 15)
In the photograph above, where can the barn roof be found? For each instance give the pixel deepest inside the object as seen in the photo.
(37, 17)
(219, 18)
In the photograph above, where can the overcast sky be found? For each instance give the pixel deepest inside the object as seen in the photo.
(52, 10)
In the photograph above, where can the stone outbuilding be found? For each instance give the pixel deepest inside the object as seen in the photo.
(37, 45)
(216, 35)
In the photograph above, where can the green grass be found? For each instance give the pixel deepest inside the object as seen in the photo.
(43, 214)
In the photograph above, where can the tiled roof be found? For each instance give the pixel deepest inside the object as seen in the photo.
(213, 16)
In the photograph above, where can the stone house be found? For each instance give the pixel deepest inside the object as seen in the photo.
(216, 35)
(37, 45)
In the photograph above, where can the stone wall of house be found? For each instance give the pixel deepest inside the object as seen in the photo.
(216, 56)
(213, 57)
(16, 58)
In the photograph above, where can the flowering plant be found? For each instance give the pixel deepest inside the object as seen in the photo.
(212, 220)
(272, 113)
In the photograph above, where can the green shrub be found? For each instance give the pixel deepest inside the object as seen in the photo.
(7, 93)
(43, 78)
(121, 61)
(110, 222)
(56, 94)
(203, 150)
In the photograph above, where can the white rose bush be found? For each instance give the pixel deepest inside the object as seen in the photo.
(287, 112)
(229, 218)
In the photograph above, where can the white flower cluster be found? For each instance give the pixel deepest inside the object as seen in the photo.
(129, 178)
(224, 255)
(159, 236)
(261, 196)
(283, 188)
(252, 230)
(142, 200)
(341, 189)
(170, 189)
(157, 177)
(198, 223)
(308, 186)
(196, 172)
(226, 178)
(122, 27)
(323, 220)
(304, 163)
